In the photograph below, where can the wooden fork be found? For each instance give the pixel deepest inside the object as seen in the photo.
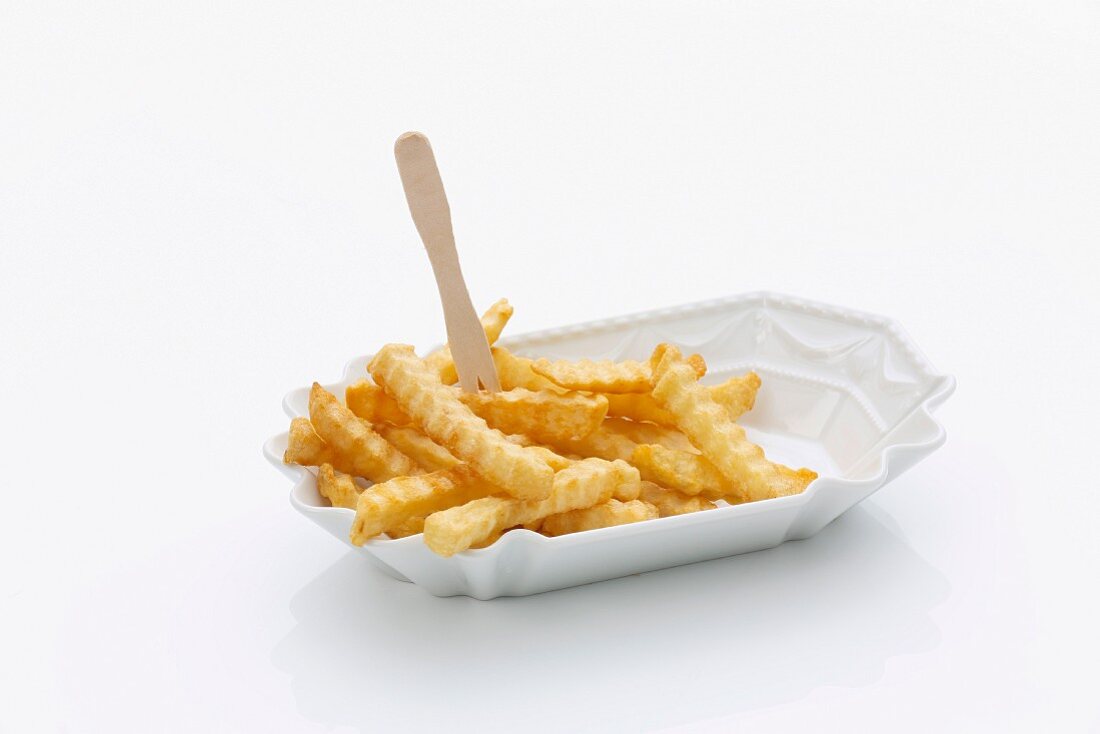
(432, 215)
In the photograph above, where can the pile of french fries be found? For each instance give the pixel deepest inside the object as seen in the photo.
(565, 447)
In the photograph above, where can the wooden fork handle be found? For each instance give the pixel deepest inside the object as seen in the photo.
(432, 215)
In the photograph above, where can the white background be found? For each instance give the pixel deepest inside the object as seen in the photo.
(199, 211)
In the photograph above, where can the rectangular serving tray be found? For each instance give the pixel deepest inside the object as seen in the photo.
(845, 393)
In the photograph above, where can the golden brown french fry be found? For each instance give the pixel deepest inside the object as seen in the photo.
(514, 371)
(649, 433)
(604, 515)
(354, 442)
(371, 403)
(338, 488)
(670, 502)
(721, 441)
(515, 411)
(603, 376)
(460, 528)
(418, 447)
(627, 376)
(443, 417)
(582, 484)
(638, 406)
(493, 321)
(390, 504)
(542, 415)
(737, 393)
(691, 474)
(305, 447)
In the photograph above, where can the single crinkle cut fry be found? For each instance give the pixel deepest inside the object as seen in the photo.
(514, 371)
(582, 484)
(443, 417)
(604, 515)
(603, 376)
(691, 474)
(649, 433)
(460, 528)
(337, 487)
(669, 502)
(638, 406)
(418, 447)
(305, 447)
(539, 414)
(360, 450)
(388, 505)
(371, 403)
(737, 393)
(627, 376)
(493, 321)
(721, 441)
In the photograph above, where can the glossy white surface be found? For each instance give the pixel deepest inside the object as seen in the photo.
(846, 393)
(198, 208)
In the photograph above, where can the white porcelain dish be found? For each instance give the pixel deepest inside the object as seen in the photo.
(845, 393)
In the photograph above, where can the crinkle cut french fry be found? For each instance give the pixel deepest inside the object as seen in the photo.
(443, 417)
(536, 413)
(688, 473)
(604, 515)
(337, 487)
(305, 447)
(582, 484)
(493, 321)
(452, 531)
(649, 433)
(514, 371)
(602, 376)
(418, 447)
(371, 403)
(670, 502)
(354, 441)
(389, 504)
(539, 414)
(737, 393)
(627, 376)
(721, 441)
(638, 406)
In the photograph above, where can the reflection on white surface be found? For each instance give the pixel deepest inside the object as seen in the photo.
(668, 647)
